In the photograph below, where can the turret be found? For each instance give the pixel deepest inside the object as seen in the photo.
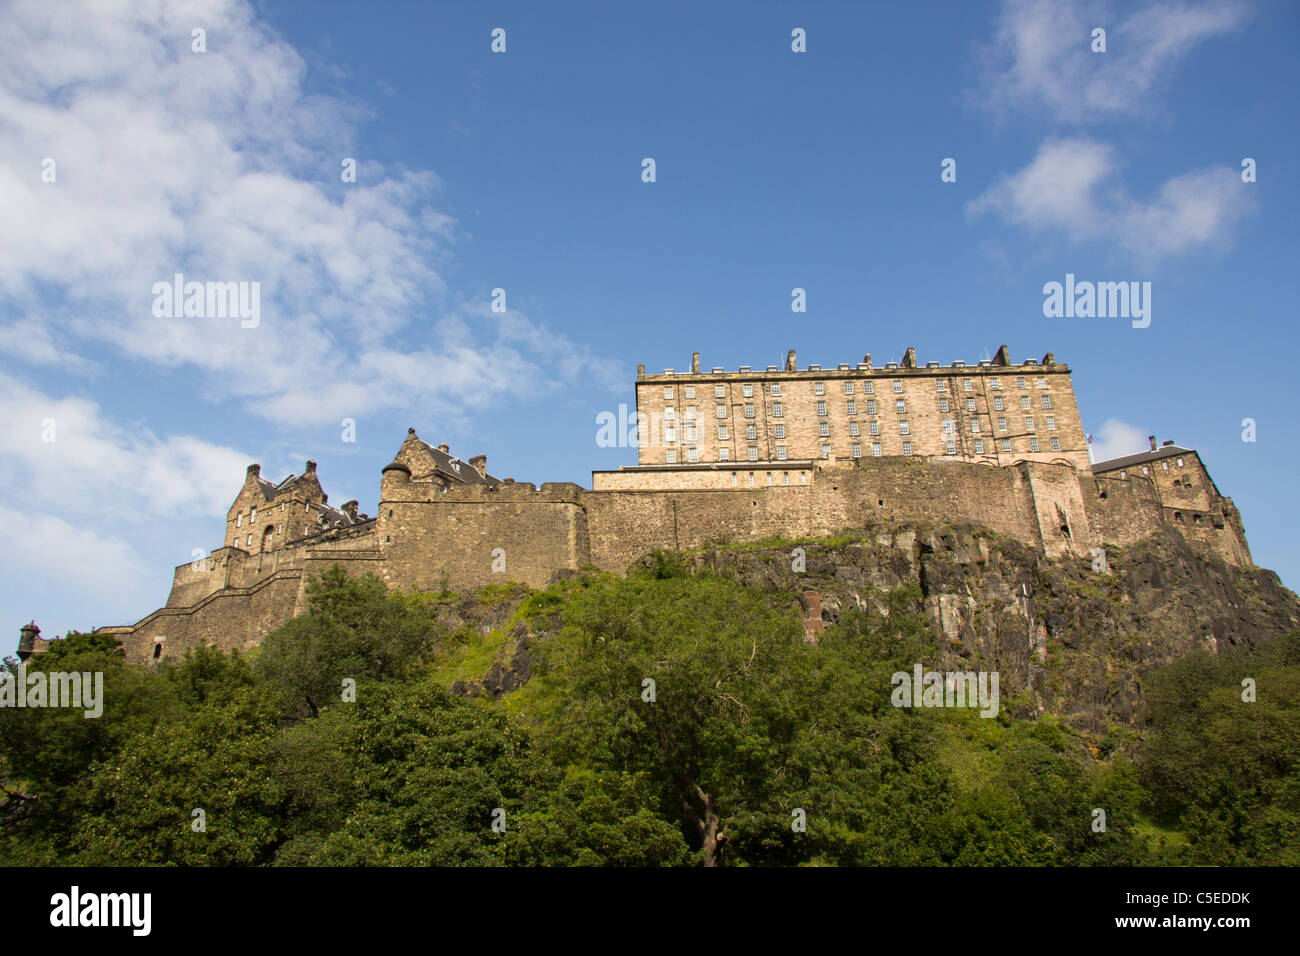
(27, 636)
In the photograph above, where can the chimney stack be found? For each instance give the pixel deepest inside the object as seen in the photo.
(480, 463)
(444, 449)
(1152, 440)
(790, 365)
(254, 471)
(640, 369)
(350, 509)
(695, 363)
(310, 469)
(909, 358)
(866, 360)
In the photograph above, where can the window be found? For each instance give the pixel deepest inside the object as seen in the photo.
(690, 433)
(780, 454)
(747, 391)
(1056, 444)
(1146, 470)
(670, 456)
(751, 432)
(875, 428)
(239, 520)
(1163, 464)
(668, 391)
(943, 404)
(724, 454)
(869, 388)
(871, 406)
(1047, 401)
(692, 455)
(670, 414)
(903, 428)
(719, 391)
(776, 389)
(970, 404)
(853, 429)
(821, 408)
(306, 506)
(690, 413)
(975, 427)
(1002, 424)
(907, 448)
(994, 384)
(966, 385)
(670, 433)
(823, 429)
(857, 450)
(779, 431)
(940, 385)
(753, 456)
(749, 411)
(853, 407)
(826, 451)
(690, 391)
(1020, 382)
(1024, 402)
(979, 446)
(901, 407)
(1180, 463)
(819, 388)
(1029, 424)
(1033, 444)
(281, 505)
(803, 477)
(948, 428)
(898, 385)
(1006, 444)
(875, 449)
(751, 479)
(1123, 474)
(252, 518)
(777, 410)
(997, 403)
(950, 447)
(848, 388)
(1051, 427)
(1041, 381)
(786, 476)
(722, 433)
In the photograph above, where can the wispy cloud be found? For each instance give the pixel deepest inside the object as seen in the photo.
(223, 167)
(1040, 57)
(1116, 438)
(1071, 188)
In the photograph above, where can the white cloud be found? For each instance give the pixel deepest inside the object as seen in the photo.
(1040, 57)
(1071, 187)
(223, 167)
(1116, 439)
(94, 467)
(74, 560)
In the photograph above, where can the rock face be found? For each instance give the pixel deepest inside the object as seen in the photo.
(1080, 641)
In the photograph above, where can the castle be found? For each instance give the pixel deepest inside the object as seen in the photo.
(735, 456)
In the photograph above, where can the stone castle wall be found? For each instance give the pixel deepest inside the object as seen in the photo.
(427, 536)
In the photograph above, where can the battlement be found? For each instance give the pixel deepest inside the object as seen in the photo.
(906, 365)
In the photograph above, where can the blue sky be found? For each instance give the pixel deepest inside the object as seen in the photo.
(522, 170)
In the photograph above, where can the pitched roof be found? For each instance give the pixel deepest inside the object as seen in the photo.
(1141, 458)
(449, 466)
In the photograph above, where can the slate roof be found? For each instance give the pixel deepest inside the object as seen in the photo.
(1141, 458)
(449, 466)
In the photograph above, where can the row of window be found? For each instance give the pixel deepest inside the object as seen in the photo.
(690, 433)
(252, 514)
(1146, 470)
(900, 406)
(950, 446)
(868, 388)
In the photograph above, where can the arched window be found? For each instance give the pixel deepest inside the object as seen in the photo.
(267, 535)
